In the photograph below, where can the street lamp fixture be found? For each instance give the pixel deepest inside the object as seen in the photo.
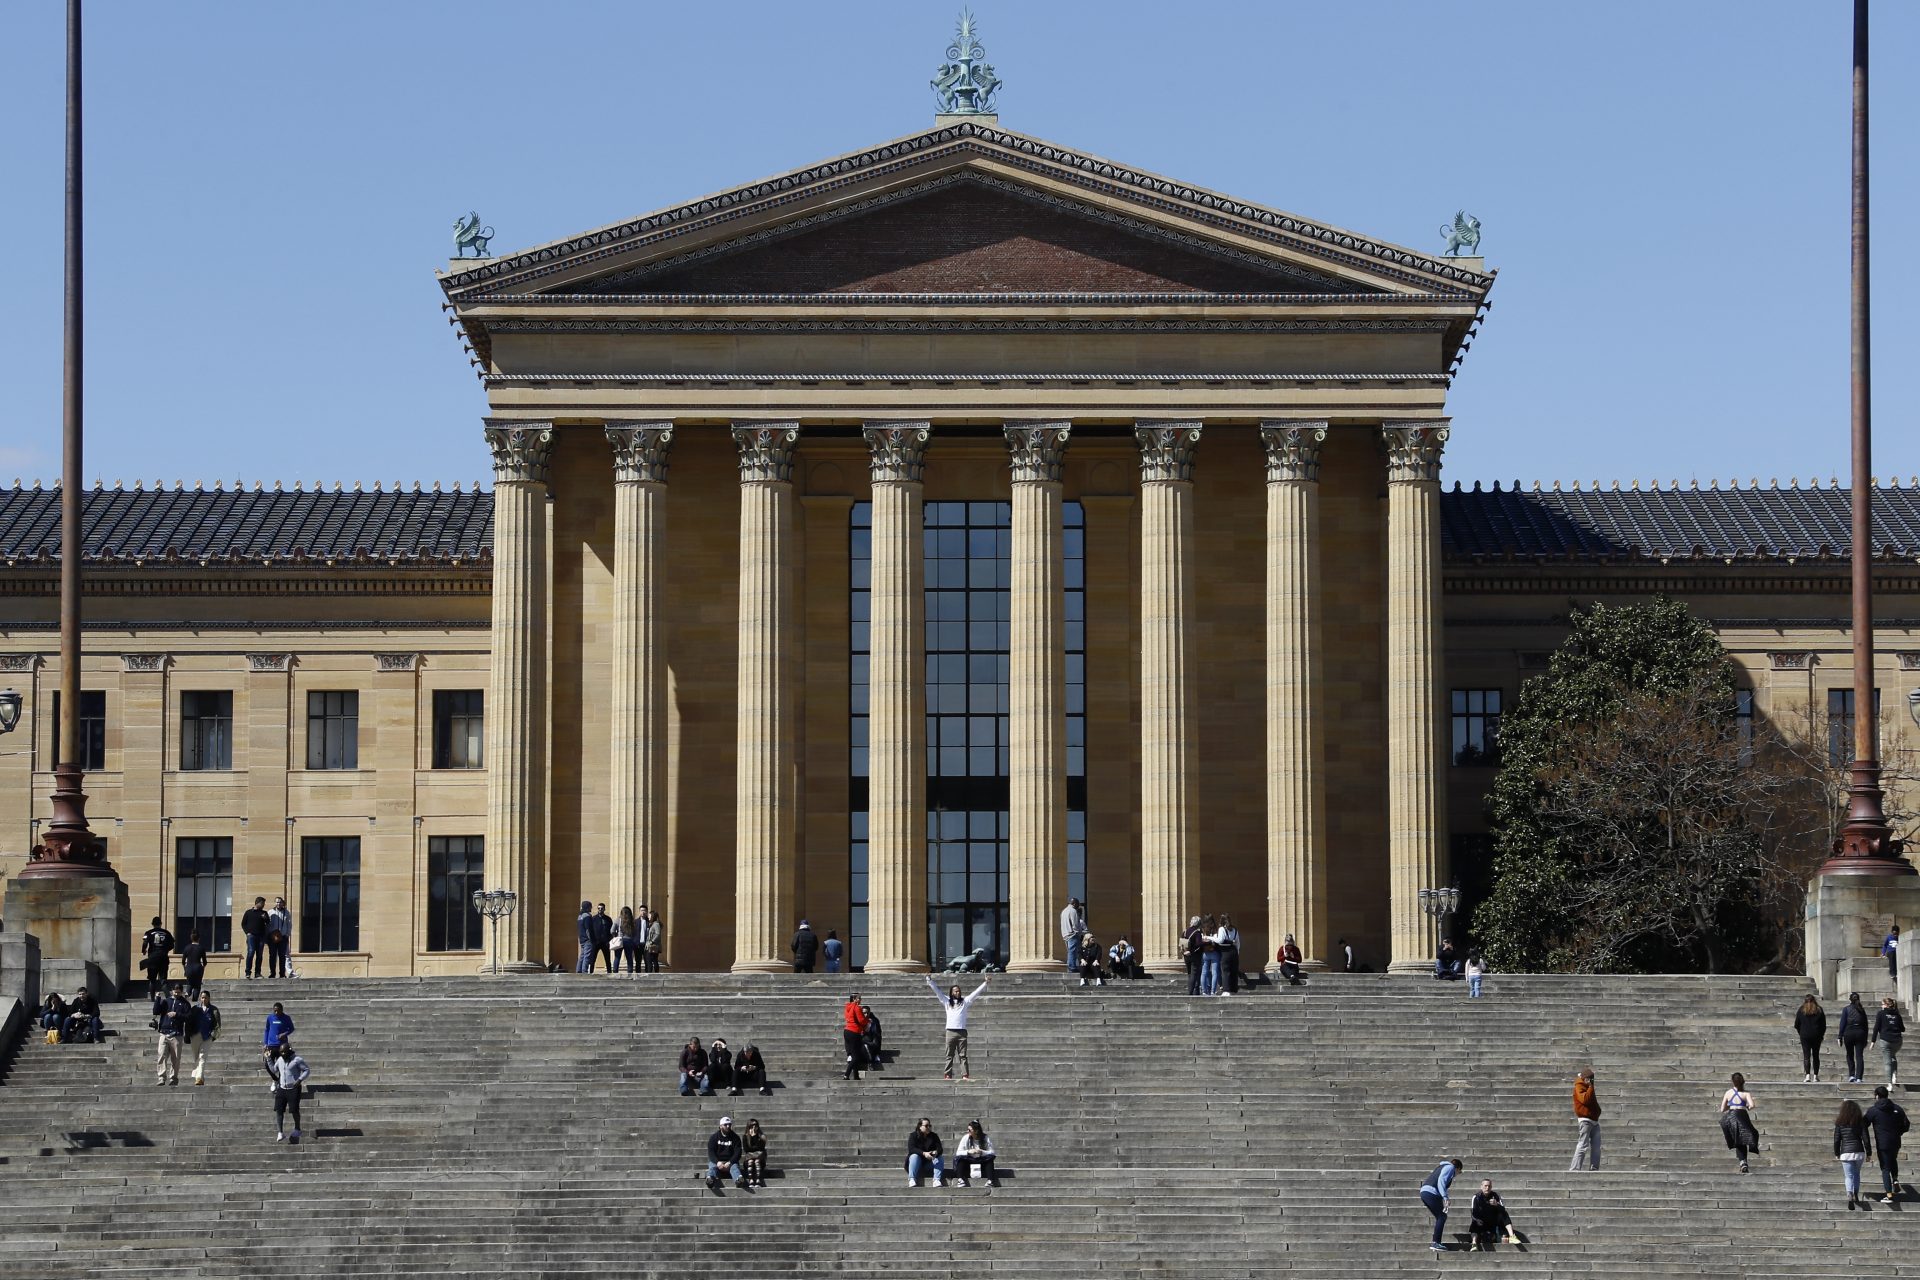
(496, 905)
(10, 702)
(1913, 705)
(1440, 903)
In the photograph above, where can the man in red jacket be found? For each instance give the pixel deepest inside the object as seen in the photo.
(1586, 1114)
(853, 1030)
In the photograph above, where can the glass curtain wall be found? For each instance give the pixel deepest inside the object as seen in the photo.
(968, 564)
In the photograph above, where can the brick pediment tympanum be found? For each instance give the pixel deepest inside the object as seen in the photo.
(966, 234)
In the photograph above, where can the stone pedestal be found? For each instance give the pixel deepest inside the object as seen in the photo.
(85, 928)
(20, 967)
(1847, 917)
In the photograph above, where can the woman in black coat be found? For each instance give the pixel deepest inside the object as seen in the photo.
(1851, 1146)
(1854, 1029)
(1810, 1024)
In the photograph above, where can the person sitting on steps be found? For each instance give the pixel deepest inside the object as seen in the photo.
(720, 1069)
(53, 1017)
(83, 1025)
(753, 1153)
(1090, 970)
(1290, 961)
(723, 1156)
(974, 1156)
(923, 1154)
(1490, 1220)
(872, 1038)
(750, 1071)
(1124, 959)
(1447, 964)
(693, 1069)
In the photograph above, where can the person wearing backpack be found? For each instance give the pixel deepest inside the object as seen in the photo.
(156, 949)
(1889, 1124)
(1854, 1031)
(1889, 1029)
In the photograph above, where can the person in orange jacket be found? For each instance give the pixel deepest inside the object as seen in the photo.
(1586, 1114)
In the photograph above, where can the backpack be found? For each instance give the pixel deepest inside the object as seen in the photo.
(1900, 1122)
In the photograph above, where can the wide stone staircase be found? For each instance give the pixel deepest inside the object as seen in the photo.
(530, 1127)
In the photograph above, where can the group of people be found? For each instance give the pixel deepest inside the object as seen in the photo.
(633, 935)
(1449, 966)
(809, 949)
(973, 1158)
(714, 1067)
(75, 1021)
(269, 935)
(1489, 1220)
(1886, 1028)
(268, 931)
(184, 1025)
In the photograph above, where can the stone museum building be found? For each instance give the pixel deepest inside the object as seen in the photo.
(907, 542)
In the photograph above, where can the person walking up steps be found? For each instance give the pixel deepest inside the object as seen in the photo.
(1736, 1121)
(1854, 1031)
(1433, 1194)
(1889, 1029)
(1889, 1123)
(1891, 950)
(956, 1009)
(1850, 1146)
(156, 948)
(1810, 1024)
(1586, 1116)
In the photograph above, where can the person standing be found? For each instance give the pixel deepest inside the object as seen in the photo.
(1228, 940)
(193, 964)
(653, 942)
(1209, 957)
(1890, 948)
(1889, 1029)
(1073, 923)
(1433, 1194)
(254, 925)
(723, 1156)
(805, 947)
(156, 947)
(289, 1071)
(583, 928)
(203, 1028)
(626, 941)
(1191, 950)
(602, 939)
(1810, 1024)
(956, 1009)
(170, 1015)
(1476, 974)
(1586, 1118)
(853, 1029)
(1854, 1032)
(1349, 963)
(1851, 1141)
(1890, 1124)
(1736, 1121)
(923, 1154)
(833, 949)
(280, 940)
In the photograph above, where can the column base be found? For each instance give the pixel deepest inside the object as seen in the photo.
(1039, 966)
(513, 967)
(762, 966)
(1411, 968)
(898, 966)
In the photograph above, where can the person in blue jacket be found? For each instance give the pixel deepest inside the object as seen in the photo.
(1433, 1194)
(279, 1031)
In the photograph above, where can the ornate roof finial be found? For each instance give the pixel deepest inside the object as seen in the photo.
(965, 84)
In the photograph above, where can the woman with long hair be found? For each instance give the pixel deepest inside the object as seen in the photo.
(626, 942)
(975, 1150)
(1736, 1121)
(1854, 1030)
(1852, 1145)
(1810, 1024)
(753, 1154)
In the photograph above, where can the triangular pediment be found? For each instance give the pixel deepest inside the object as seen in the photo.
(965, 209)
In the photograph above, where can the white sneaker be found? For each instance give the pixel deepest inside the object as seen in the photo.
(937, 1182)
(279, 1137)
(1808, 1079)
(913, 1182)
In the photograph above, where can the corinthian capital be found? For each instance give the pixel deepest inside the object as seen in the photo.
(520, 449)
(1166, 450)
(640, 451)
(1037, 449)
(898, 450)
(1293, 448)
(766, 450)
(1413, 449)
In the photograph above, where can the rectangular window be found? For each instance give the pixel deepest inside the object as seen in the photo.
(1743, 723)
(93, 730)
(459, 728)
(203, 891)
(1476, 726)
(1840, 725)
(454, 867)
(206, 730)
(330, 893)
(333, 729)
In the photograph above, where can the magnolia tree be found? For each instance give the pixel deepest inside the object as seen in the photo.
(1639, 823)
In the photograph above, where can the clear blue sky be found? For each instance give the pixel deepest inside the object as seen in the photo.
(270, 188)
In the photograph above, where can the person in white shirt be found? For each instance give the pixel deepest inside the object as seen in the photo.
(1476, 973)
(1073, 923)
(975, 1149)
(956, 1007)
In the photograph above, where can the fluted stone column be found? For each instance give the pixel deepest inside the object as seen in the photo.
(1296, 729)
(1037, 701)
(1169, 739)
(1416, 800)
(637, 800)
(765, 759)
(517, 709)
(897, 708)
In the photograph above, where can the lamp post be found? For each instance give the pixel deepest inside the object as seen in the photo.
(1866, 844)
(1440, 903)
(9, 710)
(496, 905)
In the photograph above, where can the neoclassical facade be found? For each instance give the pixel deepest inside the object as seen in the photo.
(908, 543)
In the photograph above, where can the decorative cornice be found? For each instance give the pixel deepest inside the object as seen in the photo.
(396, 661)
(520, 450)
(249, 578)
(766, 451)
(1037, 450)
(1791, 661)
(1166, 451)
(897, 450)
(1007, 149)
(1293, 448)
(1909, 661)
(19, 662)
(935, 324)
(989, 379)
(269, 662)
(143, 662)
(640, 451)
(1413, 450)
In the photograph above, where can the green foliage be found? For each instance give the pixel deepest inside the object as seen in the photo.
(1656, 648)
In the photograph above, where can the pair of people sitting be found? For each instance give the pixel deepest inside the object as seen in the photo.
(741, 1156)
(717, 1067)
(972, 1159)
(71, 1022)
